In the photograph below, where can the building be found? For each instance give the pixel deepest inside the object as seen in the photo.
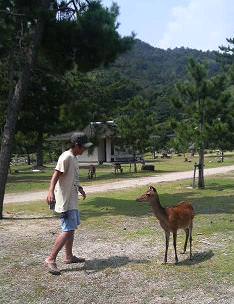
(105, 149)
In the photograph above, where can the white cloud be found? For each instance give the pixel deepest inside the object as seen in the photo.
(201, 24)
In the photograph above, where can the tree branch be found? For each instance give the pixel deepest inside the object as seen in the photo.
(12, 13)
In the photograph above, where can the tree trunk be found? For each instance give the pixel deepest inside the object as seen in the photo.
(135, 164)
(40, 159)
(201, 181)
(28, 157)
(14, 104)
(135, 167)
(222, 157)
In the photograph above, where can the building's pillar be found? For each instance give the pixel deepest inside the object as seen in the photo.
(108, 149)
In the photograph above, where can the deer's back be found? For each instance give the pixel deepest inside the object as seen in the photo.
(180, 216)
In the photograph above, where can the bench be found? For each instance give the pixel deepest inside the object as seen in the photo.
(118, 168)
(129, 160)
(126, 160)
(165, 155)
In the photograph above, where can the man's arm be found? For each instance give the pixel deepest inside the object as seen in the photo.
(54, 179)
(81, 190)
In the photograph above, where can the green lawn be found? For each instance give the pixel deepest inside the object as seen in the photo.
(26, 180)
(124, 245)
(216, 198)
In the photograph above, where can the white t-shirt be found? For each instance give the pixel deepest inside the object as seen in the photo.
(66, 189)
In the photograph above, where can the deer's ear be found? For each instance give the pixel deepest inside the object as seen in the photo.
(152, 188)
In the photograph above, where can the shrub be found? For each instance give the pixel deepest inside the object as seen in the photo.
(147, 168)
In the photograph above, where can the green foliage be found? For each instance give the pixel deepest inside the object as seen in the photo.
(41, 107)
(135, 125)
(78, 35)
(154, 68)
(162, 132)
(89, 41)
(227, 52)
(95, 96)
(206, 110)
(155, 72)
(184, 136)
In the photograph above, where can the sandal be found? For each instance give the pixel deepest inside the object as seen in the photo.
(74, 259)
(52, 267)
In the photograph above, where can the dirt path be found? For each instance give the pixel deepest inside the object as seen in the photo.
(123, 184)
(123, 264)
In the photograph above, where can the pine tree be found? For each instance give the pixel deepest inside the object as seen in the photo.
(135, 125)
(65, 33)
(203, 103)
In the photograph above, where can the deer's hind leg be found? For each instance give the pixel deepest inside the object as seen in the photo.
(190, 239)
(186, 239)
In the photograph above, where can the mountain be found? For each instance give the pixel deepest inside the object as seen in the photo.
(152, 68)
(152, 73)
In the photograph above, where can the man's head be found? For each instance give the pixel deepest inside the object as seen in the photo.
(79, 143)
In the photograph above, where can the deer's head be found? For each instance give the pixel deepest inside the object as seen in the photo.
(147, 196)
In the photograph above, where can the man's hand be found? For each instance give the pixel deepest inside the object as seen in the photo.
(81, 190)
(50, 197)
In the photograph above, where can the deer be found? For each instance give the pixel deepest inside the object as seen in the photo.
(92, 172)
(171, 219)
(118, 168)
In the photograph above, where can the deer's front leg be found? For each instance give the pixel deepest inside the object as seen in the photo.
(174, 244)
(167, 236)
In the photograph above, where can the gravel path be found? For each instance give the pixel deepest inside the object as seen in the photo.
(123, 184)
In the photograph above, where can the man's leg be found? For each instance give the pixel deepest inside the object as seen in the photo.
(68, 247)
(69, 257)
(59, 243)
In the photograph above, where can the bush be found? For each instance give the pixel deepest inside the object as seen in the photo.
(147, 168)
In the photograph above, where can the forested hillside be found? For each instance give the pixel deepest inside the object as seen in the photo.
(152, 67)
(154, 72)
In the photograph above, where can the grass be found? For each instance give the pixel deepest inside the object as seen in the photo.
(124, 245)
(23, 179)
(121, 203)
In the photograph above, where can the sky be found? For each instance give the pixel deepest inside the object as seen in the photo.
(198, 24)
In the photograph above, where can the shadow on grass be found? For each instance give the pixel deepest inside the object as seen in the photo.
(220, 187)
(103, 206)
(110, 177)
(30, 218)
(205, 202)
(202, 205)
(197, 258)
(26, 177)
(97, 265)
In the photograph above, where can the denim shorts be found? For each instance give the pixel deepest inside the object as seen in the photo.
(70, 220)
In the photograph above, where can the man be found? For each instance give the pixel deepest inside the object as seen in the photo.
(64, 188)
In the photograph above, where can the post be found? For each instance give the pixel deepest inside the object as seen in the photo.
(194, 174)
